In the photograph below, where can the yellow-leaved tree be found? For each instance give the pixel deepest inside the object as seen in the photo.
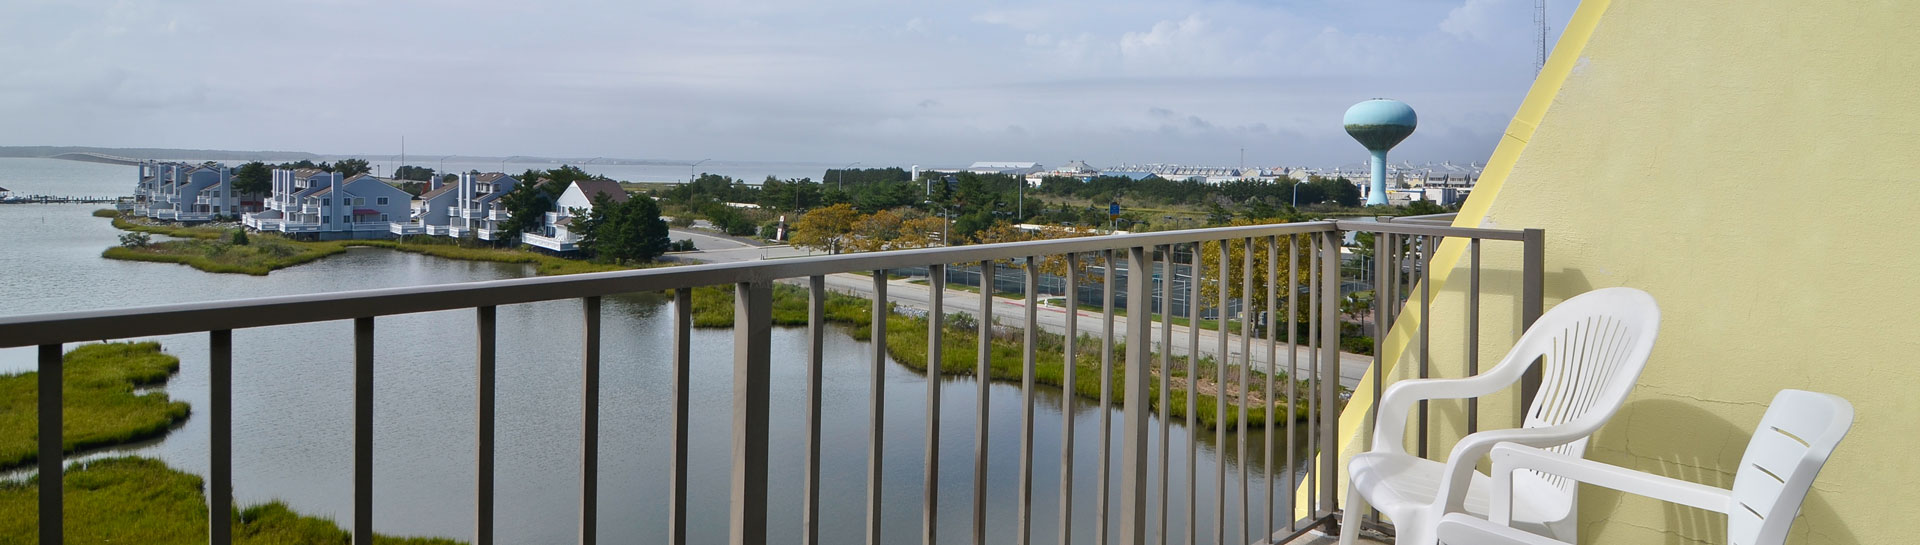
(827, 228)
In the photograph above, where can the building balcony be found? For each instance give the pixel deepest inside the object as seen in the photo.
(1163, 266)
(404, 229)
(499, 215)
(557, 244)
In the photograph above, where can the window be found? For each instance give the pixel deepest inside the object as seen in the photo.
(383, 217)
(326, 220)
(382, 201)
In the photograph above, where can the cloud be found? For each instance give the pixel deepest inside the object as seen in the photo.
(1475, 20)
(1105, 80)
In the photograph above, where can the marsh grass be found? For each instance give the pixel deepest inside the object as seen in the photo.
(907, 344)
(100, 409)
(140, 500)
(213, 250)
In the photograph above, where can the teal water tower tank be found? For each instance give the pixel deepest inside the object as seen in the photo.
(1380, 124)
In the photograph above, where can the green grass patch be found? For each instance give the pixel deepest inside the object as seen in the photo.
(106, 213)
(907, 343)
(544, 265)
(126, 224)
(213, 250)
(100, 408)
(261, 255)
(139, 500)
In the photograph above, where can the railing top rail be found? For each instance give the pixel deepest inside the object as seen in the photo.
(76, 326)
(1419, 227)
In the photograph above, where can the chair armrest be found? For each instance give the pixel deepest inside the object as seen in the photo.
(1508, 458)
(1390, 428)
(1464, 529)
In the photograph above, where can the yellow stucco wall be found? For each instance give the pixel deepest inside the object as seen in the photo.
(1750, 164)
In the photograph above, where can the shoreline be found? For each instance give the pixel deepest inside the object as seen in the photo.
(216, 250)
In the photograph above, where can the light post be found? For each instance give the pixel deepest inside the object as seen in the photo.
(1296, 196)
(690, 169)
(841, 184)
(443, 166)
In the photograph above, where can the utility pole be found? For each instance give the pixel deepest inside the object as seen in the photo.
(1540, 41)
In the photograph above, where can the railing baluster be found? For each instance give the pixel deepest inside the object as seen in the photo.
(1293, 375)
(363, 430)
(52, 450)
(485, 319)
(1024, 525)
(1246, 378)
(1330, 348)
(752, 379)
(876, 406)
(1220, 365)
(590, 422)
(1273, 331)
(1102, 496)
(1473, 333)
(816, 359)
(1382, 323)
(1166, 386)
(220, 447)
(1314, 293)
(1533, 244)
(1420, 427)
(1194, 287)
(1426, 302)
(1133, 482)
(682, 358)
(983, 371)
(1067, 378)
(936, 315)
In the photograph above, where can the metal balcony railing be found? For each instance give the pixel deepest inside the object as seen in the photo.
(1311, 288)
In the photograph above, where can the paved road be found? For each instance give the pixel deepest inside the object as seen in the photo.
(1010, 311)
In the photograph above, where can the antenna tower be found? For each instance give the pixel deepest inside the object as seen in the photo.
(1540, 41)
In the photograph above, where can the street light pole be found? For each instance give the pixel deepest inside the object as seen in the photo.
(690, 169)
(841, 184)
(1296, 196)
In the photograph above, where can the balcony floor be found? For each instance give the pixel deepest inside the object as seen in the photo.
(1317, 538)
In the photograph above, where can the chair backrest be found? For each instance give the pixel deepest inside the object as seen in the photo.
(1591, 350)
(1793, 441)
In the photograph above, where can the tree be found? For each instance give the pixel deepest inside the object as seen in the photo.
(349, 168)
(876, 232)
(1339, 190)
(410, 172)
(1237, 252)
(623, 232)
(922, 232)
(826, 228)
(253, 178)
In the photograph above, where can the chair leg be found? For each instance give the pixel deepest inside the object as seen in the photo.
(1351, 516)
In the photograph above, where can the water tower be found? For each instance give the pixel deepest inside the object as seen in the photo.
(1380, 124)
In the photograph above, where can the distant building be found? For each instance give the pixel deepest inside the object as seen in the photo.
(322, 205)
(556, 231)
(176, 191)
(1008, 168)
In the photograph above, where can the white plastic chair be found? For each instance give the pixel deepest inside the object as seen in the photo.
(1794, 440)
(1592, 348)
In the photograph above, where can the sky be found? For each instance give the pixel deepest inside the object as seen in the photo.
(881, 82)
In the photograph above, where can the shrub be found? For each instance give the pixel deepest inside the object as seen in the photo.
(136, 240)
(681, 220)
(239, 237)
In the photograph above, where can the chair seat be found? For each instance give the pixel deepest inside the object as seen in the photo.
(1404, 488)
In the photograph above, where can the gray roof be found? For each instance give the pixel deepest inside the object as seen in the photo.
(609, 188)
